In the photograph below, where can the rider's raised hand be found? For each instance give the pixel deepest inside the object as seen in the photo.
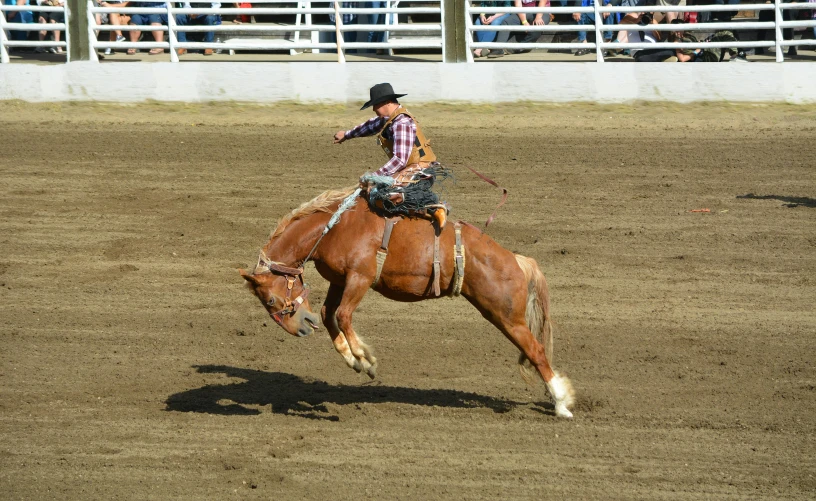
(340, 137)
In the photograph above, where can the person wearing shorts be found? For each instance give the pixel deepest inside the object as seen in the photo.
(51, 18)
(145, 20)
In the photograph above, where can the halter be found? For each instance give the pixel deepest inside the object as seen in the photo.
(290, 306)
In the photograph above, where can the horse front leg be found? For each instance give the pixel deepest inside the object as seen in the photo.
(328, 314)
(356, 287)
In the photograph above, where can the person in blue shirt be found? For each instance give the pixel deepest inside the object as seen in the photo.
(23, 16)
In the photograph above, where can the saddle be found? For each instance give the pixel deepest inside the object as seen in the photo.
(409, 193)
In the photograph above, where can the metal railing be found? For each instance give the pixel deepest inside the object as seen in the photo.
(306, 34)
(5, 27)
(598, 27)
(303, 13)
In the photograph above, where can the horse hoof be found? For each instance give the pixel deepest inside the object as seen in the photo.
(358, 367)
(562, 411)
(372, 372)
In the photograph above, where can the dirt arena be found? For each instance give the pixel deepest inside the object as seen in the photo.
(134, 364)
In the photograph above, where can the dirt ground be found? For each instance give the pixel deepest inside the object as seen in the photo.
(134, 364)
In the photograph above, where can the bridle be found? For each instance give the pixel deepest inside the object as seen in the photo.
(290, 305)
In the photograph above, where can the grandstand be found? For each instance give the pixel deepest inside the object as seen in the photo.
(396, 30)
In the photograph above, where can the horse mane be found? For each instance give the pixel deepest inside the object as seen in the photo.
(321, 203)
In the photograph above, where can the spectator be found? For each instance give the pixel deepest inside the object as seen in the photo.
(201, 20)
(489, 19)
(668, 17)
(114, 19)
(522, 19)
(813, 17)
(377, 18)
(23, 16)
(348, 19)
(589, 19)
(787, 33)
(711, 55)
(153, 20)
(52, 18)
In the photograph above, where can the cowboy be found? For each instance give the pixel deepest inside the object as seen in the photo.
(399, 135)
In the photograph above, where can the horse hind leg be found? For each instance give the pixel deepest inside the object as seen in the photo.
(559, 386)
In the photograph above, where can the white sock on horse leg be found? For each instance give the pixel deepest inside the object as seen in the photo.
(561, 390)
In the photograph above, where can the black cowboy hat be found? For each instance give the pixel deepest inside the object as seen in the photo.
(381, 93)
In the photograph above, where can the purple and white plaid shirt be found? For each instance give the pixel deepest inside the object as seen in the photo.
(403, 130)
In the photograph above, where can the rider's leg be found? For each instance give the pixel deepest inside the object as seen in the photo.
(328, 313)
(356, 287)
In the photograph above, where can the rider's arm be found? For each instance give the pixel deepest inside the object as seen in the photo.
(404, 131)
(367, 128)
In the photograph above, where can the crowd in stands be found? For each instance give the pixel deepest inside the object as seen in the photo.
(645, 35)
(519, 34)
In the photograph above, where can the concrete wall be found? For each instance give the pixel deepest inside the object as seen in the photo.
(424, 82)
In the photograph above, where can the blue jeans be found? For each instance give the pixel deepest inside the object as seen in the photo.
(201, 20)
(488, 36)
(376, 36)
(587, 18)
(24, 16)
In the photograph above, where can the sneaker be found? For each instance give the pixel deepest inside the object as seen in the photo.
(120, 38)
(108, 51)
(583, 52)
(494, 53)
(52, 50)
(40, 50)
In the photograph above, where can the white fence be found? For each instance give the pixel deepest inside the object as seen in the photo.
(778, 24)
(292, 39)
(6, 27)
(305, 34)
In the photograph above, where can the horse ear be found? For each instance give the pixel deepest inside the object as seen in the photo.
(249, 277)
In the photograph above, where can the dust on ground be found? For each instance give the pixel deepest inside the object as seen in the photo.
(134, 363)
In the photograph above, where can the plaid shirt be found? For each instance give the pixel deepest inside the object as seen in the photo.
(403, 130)
(348, 17)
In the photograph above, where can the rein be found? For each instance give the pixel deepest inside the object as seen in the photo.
(494, 183)
(290, 306)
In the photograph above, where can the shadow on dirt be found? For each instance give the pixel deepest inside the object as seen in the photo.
(292, 395)
(789, 201)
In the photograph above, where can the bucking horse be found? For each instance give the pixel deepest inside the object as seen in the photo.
(356, 248)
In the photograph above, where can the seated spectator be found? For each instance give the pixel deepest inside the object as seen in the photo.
(523, 19)
(489, 19)
(708, 55)
(52, 18)
(378, 18)
(588, 18)
(201, 20)
(23, 16)
(114, 19)
(152, 20)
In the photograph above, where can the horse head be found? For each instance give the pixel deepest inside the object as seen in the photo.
(276, 291)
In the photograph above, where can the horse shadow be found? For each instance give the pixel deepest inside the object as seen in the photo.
(292, 395)
(789, 201)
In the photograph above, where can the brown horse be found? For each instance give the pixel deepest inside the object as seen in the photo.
(508, 289)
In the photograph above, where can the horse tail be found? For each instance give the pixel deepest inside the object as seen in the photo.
(537, 314)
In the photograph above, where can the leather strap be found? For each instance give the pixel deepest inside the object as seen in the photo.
(382, 252)
(436, 265)
(458, 260)
(494, 183)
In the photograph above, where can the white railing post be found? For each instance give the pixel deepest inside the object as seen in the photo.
(67, 32)
(4, 56)
(296, 34)
(338, 24)
(388, 19)
(598, 35)
(315, 35)
(780, 56)
(92, 55)
(468, 29)
(171, 33)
